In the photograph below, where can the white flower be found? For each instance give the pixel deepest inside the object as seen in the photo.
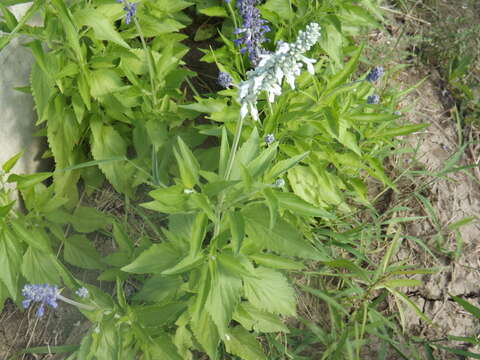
(286, 63)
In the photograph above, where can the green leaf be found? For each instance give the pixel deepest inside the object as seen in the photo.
(347, 70)
(4, 210)
(199, 229)
(155, 259)
(159, 288)
(462, 222)
(104, 82)
(398, 131)
(297, 205)
(253, 319)
(25, 182)
(88, 219)
(156, 316)
(206, 333)
(103, 29)
(204, 32)
(284, 165)
(223, 297)
(475, 311)
(186, 264)
(247, 152)
(224, 153)
(107, 143)
(237, 229)
(10, 261)
(10, 163)
(270, 291)
(79, 251)
(241, 343)
(187, 164)
(283, 238)
(398, 283)
(281, 8)
(39, 267)
(325, 297)
(35, 237)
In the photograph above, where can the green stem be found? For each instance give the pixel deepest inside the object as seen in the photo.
(231, 160)
(149, 62)
(74, 303)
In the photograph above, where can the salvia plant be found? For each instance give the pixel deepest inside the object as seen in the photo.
(250, 178)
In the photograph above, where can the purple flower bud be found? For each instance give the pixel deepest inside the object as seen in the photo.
(82, 292)
(269, 138)
(253, 30)
(224, 79)
(375, 74)
(43, 294)
(373, 99)
(130, 10)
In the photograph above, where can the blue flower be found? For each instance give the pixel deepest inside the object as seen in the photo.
(375, 74)
(130, 10)
(82, 292)
(224, 79)
(43, 294)
(253, 30)
(373, 99)
(269, 138)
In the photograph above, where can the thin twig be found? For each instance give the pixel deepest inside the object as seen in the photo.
(405, 15)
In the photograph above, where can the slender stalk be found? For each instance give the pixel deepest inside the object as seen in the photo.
(75, 303)
(236, 140)
(231, 160)
(149, 62)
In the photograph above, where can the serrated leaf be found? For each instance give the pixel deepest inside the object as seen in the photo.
(253, 319)
(283, 238)
(10, 261)
(107, 143)
(241, 343)
(206, 333)
(159, 288)
(79, 251)
(39, 267)
(155, 259)
(88, 219)
(270, 291)
(103, 29)
(223, 297)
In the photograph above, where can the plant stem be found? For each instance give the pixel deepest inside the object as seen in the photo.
(149, 62)
(231, 160)
(74, 303)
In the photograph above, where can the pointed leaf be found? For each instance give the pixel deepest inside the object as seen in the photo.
(241, 343)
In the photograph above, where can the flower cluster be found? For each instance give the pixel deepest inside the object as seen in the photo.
(82, 292)
(269, 139)
(43, 294)
(373, 99)
(253, 30)
(224, 79)
(286, 62)
(130, 10)
(375, 74)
